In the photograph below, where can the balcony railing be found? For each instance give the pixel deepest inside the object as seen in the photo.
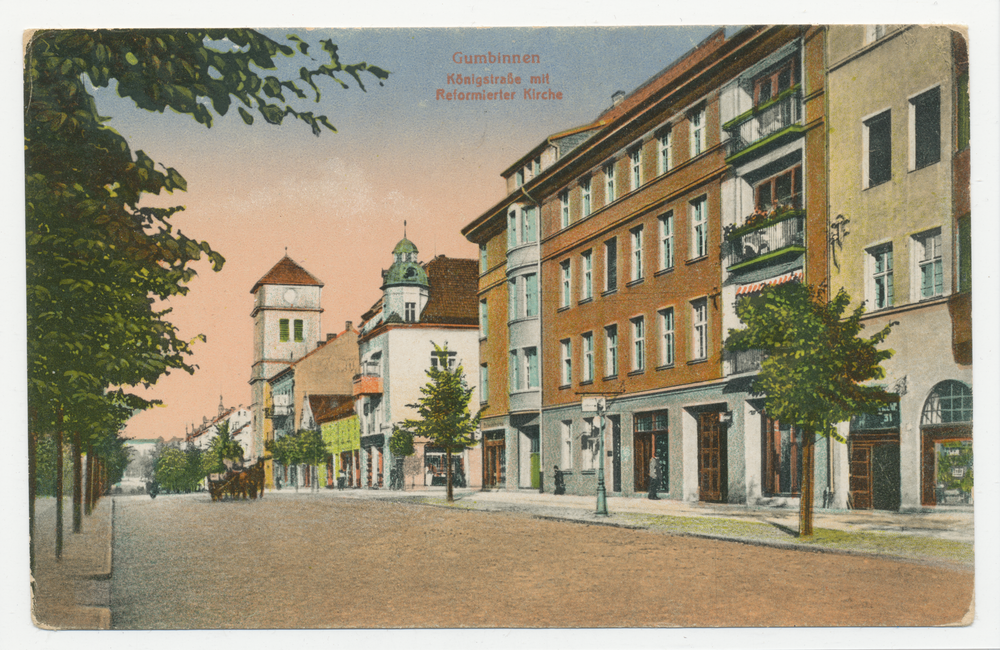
(367, 384)
(277, 411)
(748, 245)
(760, 124)
(743, 361)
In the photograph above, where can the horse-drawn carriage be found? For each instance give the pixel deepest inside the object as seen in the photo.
(238, 482)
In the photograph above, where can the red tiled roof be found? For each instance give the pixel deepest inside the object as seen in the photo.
(287, 271)
(453, 292)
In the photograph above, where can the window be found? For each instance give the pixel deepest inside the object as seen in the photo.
(636, 253)
(949, 402)
(699, 321)
(566, 445)
(410, 312)
(881, 289)
(298, 331)
(638, 343)
(519, 178)
(664, 158)
(536, 166)
(587, 275)
(589, 446)
(874, 32)
(585, 197)
(588, 357)
(530, 295)
(782, 457)
(878, 149)
(963, 112)
(283, 330)
(511, 229)
(635, 167)
(484, 321)
(699, 228)
(443, 360)
(482, 259)
(564, 208)
(484, 383)
(531, 367)
(667, 337)
(780, 79)
(529, 229)
(513, 310)
(697, 132)
(567, 361)
(515, 371)
(611, 264)
(925, 129)
(780, 192)
(609, 182)
(667, 241)
(928, 257)
(611, 351)
(566, 284)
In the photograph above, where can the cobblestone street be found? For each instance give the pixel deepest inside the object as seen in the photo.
(318, 561)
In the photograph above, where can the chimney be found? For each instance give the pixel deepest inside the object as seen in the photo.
(617, 97)
(331, 336)
(349, 326)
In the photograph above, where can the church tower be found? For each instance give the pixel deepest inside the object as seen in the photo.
(286, 327)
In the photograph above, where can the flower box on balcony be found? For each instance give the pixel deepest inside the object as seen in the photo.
(772, 218)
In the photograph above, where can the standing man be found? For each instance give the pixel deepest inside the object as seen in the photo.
(654, 477)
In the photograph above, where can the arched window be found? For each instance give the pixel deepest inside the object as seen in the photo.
(949, 402)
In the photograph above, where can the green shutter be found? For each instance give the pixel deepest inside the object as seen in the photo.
(283, 329)
(298, 330)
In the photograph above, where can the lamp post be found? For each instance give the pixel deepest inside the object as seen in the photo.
(599, 404)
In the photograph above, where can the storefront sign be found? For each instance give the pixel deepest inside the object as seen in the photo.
(887, 417)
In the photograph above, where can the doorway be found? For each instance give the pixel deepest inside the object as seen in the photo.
(712, 471)
(494, 465)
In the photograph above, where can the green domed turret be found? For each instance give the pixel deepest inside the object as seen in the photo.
(405, 269)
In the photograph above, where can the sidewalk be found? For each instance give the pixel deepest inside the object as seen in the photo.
(933, 536)
(73, 593)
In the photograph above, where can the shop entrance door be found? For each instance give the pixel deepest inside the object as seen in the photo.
(534, 457)
(712, 475)
(495, 453)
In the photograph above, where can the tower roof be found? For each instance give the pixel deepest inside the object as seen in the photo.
(404, 246)
(287, 271)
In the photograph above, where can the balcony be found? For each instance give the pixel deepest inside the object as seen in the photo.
(774, 237)
(737, 363)
(765, 126)
(369, 380)
(277, 411)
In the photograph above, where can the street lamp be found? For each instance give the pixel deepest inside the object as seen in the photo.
(600, 405)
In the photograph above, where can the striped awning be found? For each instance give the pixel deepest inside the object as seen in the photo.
(754, 287)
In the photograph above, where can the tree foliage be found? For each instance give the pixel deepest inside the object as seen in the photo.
(100, 262)
(401, 443)
(815, 365)
(223, 447)
(443, 410)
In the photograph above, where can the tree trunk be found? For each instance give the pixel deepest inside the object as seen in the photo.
(808, 481)
(32, 490)
(59, 485)
(88, 496)
(77, 483)
(451, 494)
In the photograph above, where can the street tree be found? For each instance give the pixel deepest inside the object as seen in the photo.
(444, 416)
(172, 470)
(400, 446)
(311, 452)
(284, 451)
(223, 447)
(98, 262)
(815, 366)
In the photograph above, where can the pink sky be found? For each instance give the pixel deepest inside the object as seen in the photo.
(338, 202)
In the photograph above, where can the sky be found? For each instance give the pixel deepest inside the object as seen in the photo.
(338, 202)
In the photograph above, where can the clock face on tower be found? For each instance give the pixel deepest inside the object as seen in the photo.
(289, 296)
